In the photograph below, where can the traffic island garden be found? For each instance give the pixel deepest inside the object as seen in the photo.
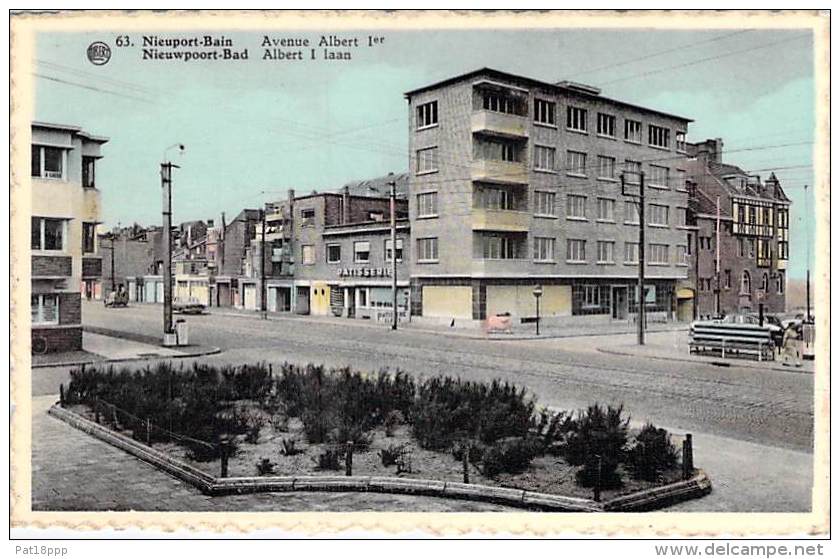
(254, 427)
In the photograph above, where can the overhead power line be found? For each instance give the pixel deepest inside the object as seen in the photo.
(702, 60)
(91, 88)
(661, 53)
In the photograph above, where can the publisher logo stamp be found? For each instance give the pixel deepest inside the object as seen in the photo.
(99, 53)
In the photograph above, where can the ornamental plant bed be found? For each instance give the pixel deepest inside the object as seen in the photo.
(297, 421)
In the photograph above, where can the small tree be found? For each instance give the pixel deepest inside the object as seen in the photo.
(597, 442)
(652, 453)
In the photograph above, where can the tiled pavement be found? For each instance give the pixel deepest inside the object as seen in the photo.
(73, 471)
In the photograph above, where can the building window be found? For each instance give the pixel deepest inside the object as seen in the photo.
(606, 209)
(682, 255)
(427, 160)
(88, 238)
(544, 112)
(498, 247)
(633, 171)
(361, 252)
(606, 250)
(45, 308)
(427, 204)
(658, 254)
(333, 254)
(746, 283)
(307, 254)
(591, 296)
(658, 215)
(682, 217)
(427, 249)
(388, 246)
(544, 249)
(606, 125)
(544, 203)
(783, 250)
(780, 282)
(48, 234)
(88, 171)
(495, 199)
(307, 217)
(576, 163)
(575, 206)
(48, 162)
(544, 158)
(576, 119)
(679, 139)
(679, 180)
(497, 151)
(765, 283)
(727, 279)
(659, 176)
(631, 253)
(427, 114)
(606, 167)
(658, 136)
(575, 250)
(633, 131)
(500, 103)
(631, 213)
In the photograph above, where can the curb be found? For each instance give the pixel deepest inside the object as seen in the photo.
(650, 499)
(104, 361)
(703, 362)
(450, 333)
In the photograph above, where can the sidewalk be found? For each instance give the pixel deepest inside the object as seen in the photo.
(520, 331)
(110, 346)
(674, 347)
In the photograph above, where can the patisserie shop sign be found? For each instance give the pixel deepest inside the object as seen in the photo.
(364, 272)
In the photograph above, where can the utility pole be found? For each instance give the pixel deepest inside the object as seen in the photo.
(717, 258)
(807, 264)
(263, 306)
(641, 300)
(166, 184)
(393, 185)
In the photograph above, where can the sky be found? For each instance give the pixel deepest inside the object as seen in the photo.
(253, 129)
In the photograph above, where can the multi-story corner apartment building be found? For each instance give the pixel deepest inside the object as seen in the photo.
(754, 240)
(333, 251)
(515, 183)
(66, 211)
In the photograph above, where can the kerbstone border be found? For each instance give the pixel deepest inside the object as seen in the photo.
(650, 499)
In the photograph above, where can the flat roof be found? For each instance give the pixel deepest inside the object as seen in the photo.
(70, 128)
(535, 82)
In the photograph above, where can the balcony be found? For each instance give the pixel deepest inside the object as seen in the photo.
(485, 267)
(51, 267)
(91, 267)
(498, 171)
(484, 219)
(499, 124)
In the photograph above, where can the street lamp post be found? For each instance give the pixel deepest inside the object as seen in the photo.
(166, 184)
(538, 291)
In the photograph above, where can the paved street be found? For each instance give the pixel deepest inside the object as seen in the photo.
(752, 427)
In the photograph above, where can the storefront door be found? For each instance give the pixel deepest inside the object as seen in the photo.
(619, 302)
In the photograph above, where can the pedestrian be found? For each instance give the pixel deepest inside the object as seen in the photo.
(792, 346)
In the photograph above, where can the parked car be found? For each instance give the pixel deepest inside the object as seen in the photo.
(188, 307)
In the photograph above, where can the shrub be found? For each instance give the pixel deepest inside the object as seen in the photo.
(597, 433)
(390, 455)
(288, 447)
(651, 454)
(331, 458)
(509, 455)
(280, 422)
(551, 430)
(476, 452)
(265, 467)
(393, 419)
(447, 409)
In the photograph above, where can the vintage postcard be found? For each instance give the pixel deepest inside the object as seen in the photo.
(522, 273)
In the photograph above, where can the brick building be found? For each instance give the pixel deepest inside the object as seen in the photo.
(516, 182)
(753, 241)
(66, 211)
(334, 251)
